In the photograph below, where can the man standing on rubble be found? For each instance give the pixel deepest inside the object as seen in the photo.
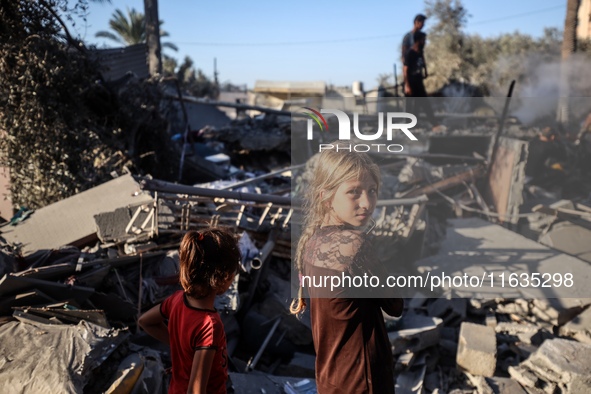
(408, 40)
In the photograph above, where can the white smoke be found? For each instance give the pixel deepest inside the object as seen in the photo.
(539, 84)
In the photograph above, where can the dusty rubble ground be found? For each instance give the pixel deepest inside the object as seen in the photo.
(78, 272)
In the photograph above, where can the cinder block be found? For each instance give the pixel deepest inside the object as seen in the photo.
(477, 350)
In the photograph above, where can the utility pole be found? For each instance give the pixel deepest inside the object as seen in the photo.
(215, 71)
(153, 36)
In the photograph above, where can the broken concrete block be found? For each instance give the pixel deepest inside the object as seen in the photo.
(404, 361)
(523, 376)
(490, 320)
(479, 306)
(416, 333)
(72, 219)
(556, 311)
(450, 310)
(569, 238)
(477, 349)
(511, 308)
(480, 383)
(523, 350)
(522, 332)
(579, 328)
(563, 362)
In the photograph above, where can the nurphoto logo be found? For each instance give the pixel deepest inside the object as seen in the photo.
(345, 129)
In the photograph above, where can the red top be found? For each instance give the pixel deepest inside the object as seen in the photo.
(191, 329)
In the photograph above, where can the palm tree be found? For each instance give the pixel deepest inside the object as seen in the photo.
(130, 29)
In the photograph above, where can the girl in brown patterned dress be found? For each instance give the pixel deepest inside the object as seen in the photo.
(353, 353)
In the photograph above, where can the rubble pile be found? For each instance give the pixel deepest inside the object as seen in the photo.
(121, 259)
(86, 267)
(259, 143)
(456, 345)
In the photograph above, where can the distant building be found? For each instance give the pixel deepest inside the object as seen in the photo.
(287, 90)
(584, 20)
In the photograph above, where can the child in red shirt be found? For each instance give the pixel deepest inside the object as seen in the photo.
(208, 263)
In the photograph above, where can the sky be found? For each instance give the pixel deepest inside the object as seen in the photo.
(336, 42)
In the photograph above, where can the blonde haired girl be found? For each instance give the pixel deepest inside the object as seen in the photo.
(353, 353)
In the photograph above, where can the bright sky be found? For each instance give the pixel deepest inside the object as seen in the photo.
(336, 42)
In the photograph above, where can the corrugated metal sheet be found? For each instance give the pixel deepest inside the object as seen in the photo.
(116, 62)
(307, 87)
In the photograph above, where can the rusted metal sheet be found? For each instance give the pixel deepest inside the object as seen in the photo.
(504, 185)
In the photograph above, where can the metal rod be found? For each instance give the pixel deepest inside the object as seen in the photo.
(260, 178)
(167, 187)
(251, 365)
(260, 260)
(227, 104)
(403, 201)
(139, 300)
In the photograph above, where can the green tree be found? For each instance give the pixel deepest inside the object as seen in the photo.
(130, 29)
(445, 43)
(62, 130)
(195, 81)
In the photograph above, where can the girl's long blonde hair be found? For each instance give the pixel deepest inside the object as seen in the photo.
(333, 167)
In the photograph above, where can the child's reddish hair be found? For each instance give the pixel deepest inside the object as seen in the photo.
(206, 261)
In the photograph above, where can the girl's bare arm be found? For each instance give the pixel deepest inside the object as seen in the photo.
(200, 369)
(153, 323)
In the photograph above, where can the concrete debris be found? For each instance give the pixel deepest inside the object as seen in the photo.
(69, 221)
(501, 385)
(77, 268)
(129, 262)
(415, 334)
(404, 361)
(490, 320)
(579, 328)
(480, 383)
(523, 332)
(557, 363)
(569, 238)
(477, 349)
(411, 382)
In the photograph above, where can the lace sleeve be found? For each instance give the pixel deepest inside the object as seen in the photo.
(344, 250)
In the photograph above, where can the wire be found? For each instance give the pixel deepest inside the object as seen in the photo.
(291, 42)
(345, 40)
(518, 15)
